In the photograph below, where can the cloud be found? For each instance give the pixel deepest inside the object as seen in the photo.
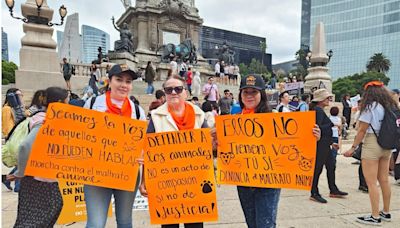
(277, 20)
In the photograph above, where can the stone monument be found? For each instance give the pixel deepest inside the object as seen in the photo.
(37, 56)
(318, 76)
(154, 23)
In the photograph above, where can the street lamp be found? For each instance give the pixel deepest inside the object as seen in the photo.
(329, 54)
(37, 19)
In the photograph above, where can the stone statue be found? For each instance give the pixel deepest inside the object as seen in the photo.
(125, 43)
(185, 51)
(226, 54)
(126, 3)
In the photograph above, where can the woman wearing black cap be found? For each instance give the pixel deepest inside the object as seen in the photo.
(116, 101)
(260, 205)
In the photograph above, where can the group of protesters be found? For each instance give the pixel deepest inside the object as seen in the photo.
(40, 202)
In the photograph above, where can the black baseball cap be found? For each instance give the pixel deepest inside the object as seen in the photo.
(118, 71)
(252, 81)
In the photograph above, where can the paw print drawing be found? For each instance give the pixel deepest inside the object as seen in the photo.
(206, 186)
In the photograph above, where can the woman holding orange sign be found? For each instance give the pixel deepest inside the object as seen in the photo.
(260, 205)
(174, 115)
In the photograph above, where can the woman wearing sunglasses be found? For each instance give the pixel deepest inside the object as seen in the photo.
(374, 159)
(174, 115)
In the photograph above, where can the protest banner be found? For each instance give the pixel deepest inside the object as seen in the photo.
(179, 177)
(354, 101)
(88, 147)
(271, 150)
(74, 206)
(273, 98)
(294, 88)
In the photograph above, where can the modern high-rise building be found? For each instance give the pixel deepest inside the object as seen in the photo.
(245, 46)
(356, 30)
(92, 39)
(4, 45)
(70, 45)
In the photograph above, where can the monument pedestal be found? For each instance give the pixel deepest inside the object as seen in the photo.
(123, 58)
(319, 78)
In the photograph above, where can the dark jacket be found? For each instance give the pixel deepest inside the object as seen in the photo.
(325, 124)
(149, 74)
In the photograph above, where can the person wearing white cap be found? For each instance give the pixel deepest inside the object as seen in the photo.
(324, 156)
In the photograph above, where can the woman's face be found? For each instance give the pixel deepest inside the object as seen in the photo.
(325, 102)
(120, 86)
(174, 92)
(250, 98)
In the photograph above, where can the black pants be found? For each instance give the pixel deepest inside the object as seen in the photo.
(324, 157)
(361, 177)
(396, 167)
(347, 114)
(187, 225)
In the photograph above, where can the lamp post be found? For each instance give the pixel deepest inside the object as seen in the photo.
(37, 19)
(39, 63)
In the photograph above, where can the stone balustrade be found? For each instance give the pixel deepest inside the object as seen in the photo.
(82, 69)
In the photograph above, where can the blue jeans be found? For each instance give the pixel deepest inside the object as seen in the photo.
(150, 88)
(98, 200)
(260, 206)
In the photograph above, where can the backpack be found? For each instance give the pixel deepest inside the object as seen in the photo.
(298, 107)
(280, 109)
(73, 70)
(136, 107)
(389, 134)
(14, 139)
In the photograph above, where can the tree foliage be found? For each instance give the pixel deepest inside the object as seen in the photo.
(255, 67)
(353, 84)
(8, 71)
(378, 62)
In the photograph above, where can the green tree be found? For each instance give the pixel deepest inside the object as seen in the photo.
(244, 69)
(354, 84)
(257, 67)
(8, 71)
(378, 62)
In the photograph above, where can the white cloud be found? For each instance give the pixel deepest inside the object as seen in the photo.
(277, 20)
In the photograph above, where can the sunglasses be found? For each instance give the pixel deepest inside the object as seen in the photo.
(373, 83)
(178, 89)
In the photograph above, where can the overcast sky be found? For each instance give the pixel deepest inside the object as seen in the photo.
(276, 20)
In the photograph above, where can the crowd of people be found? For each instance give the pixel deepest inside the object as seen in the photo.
(192, 106)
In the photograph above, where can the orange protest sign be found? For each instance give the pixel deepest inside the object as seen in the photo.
(179, 177)
(88, 147)
(74, 206)
(271, 150)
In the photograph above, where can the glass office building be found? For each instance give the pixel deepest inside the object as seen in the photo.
(245, 46)
(355, 30)
(92, 39)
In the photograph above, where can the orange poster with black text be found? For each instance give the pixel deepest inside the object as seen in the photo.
(179, 177)
(74, 206)
(269, 150)
(88, 147)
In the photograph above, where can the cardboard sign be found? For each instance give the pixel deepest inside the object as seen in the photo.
(74, 206)
(272, 150)
(179, 177)
(88, 147)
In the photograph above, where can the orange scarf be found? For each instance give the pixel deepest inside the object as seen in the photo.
(126, 109)
(186, 121)
(248, 111)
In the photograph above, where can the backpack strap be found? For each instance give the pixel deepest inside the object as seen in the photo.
(280, 109)
(373, 130)
(92, 102)
(137, 111)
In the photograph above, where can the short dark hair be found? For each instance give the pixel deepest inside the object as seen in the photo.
(282, 94)
(159, 94)
(226, 91)
(195, 99)
(207, 106)
(334, 111)
(55, 94)
(304, 97)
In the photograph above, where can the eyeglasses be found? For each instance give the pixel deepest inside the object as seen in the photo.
(178, 89)
(373, 83)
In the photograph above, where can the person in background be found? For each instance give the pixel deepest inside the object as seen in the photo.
(95, 77)
(347, 108)
(67, 73)
(283, 102)
(236, 71)
(396, 153)
(321, 100)
(374, 159)
(38, 103)
(196, 84)
(217, 70)
(115, 101)
(160, 100)
(210, 91)
(182, 69)
(195, 101)
(173, 66)
(75, 100)
(294, 103)
(336, 129)
(39, 199)
(8, 111)
(303, 105)
(209, 115)
(259, 205)
(189, 79)
(150, 74)
(225, 103)
(175, 115)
